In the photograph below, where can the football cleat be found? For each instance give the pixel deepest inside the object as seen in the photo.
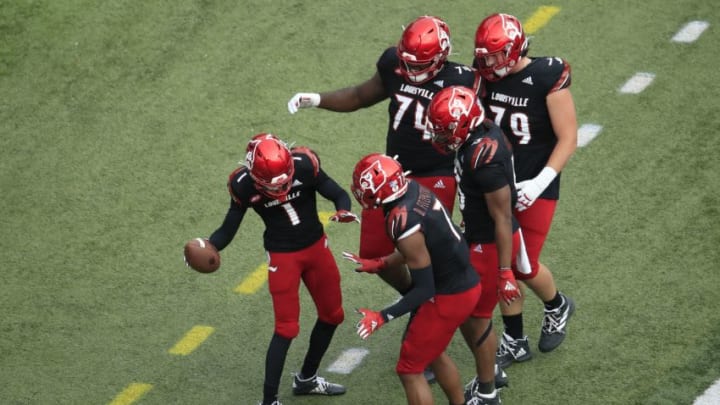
(501, 381)
(484, 399)
(316, 386)
(554, 326)
(512, 350)
(275, 402)
(429, 375)
(501, 378)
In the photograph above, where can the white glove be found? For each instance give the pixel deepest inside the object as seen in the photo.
(303, 100)
(529, 190)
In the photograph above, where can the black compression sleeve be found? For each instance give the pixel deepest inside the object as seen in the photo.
(225, 234)
(423, 288)
(333, 192)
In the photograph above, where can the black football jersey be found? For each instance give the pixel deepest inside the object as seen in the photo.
(483, 164)
(418, 210)
(292, 224)
(517, 104)
(406, 136)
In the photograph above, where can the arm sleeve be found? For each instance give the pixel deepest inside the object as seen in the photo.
(226, 232)
(423, 289)
(328, 188)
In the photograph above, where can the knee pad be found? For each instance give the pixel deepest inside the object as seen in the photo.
(335, 317)
(288, 330)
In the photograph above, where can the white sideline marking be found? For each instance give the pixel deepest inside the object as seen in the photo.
(638, 83)
(691, 31)
(348, 360)
(711, 396)
(588, 132)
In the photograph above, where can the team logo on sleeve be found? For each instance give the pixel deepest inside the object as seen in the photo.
(484, 151)
(397, 221)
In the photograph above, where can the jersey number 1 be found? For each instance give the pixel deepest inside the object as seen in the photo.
(291, 213)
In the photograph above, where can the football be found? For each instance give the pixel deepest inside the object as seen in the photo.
(201, 255)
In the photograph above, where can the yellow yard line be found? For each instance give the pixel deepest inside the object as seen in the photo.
(253, 281)
(325, 217)
(191, 340)
(131, 393)
(540, 18)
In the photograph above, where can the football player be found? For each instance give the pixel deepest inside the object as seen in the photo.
(530, 99)
(484, 167)
(281, 185)
(445, 288)
(407, 75)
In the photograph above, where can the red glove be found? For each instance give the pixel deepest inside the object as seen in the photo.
(344, 216)
(366, 265)
(508, 288)
(370, 322)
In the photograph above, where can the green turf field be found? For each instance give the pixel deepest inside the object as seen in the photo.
(120, 121)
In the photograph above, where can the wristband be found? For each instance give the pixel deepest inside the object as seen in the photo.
(314, 99)
(546, 176)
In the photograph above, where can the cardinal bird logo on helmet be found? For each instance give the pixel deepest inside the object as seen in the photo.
(423, 49)
(452, 115)
(378, 179)
(371, 175)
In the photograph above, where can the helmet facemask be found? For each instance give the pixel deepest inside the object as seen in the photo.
(378, 179)
(500, 43)
(452, 115)
(423, 49)
(271, 166)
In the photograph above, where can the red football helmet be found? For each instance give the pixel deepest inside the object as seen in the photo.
(271, 165)
(453, 113)
(423, 49)
(378, 179)
(500, 42)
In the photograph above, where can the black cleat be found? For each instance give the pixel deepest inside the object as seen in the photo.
(512, 350)
(316, 386)
(554, 326)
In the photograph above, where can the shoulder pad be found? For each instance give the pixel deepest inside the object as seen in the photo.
(557, 76)
(236, 177)
(310, 154)
(483, 151)
(396, 221)
(564, 80)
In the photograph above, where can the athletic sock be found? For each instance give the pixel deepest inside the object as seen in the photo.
(556, 302)
(274, 364)
(514, 325)
(320, 338)
(486, 388)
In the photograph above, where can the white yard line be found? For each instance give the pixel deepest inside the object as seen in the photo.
(637, 83)
(711, 396)
(348, 360)
(691, 31)
(586, 133)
